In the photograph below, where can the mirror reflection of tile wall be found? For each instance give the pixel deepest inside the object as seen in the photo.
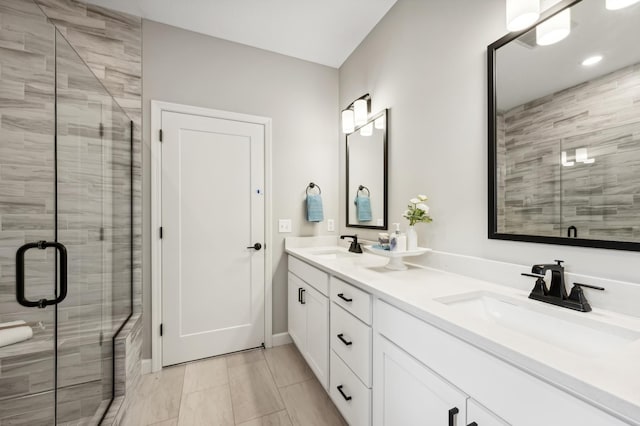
(542, 191)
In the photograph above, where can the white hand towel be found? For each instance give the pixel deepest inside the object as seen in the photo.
(13, 334)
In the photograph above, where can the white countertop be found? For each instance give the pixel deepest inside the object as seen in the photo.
(610, 381)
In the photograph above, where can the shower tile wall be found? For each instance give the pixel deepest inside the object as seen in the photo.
(601, 199)
(111, 44)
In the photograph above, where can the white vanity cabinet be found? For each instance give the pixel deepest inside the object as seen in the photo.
(409, 348)
(309, 316)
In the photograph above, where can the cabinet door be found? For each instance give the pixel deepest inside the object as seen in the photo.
(407, 393)
(479, 415)
(317, 352)
(297, 313)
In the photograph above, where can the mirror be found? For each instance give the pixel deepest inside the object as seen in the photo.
(367, 174)
(564, 129)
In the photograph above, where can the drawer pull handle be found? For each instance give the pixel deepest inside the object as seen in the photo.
(302, 299)
(346, 397)
(452, 416)
(346, 342)
(341, 296)
(299, 297)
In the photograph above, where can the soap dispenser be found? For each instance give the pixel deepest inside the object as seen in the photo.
(398, 241)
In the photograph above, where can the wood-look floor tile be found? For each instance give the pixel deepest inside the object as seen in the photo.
(157, 397)
(287, 365)
(309, 405)
(246, 357)
(253, 391)
(209, 407)
(281, 418)
(205, 374)
(170, 422)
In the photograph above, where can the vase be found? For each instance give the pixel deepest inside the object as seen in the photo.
(412, 238)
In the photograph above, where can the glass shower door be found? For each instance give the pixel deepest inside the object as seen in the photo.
(27, 215)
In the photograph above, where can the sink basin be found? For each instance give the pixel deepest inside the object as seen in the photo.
(571, 331)
(331, 253)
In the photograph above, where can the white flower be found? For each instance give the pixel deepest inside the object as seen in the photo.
(422, 197)
(414, 201)
(406, 213)
(423, 207)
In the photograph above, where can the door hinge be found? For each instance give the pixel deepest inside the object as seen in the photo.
(161, 329)
(160, 135)
(161, 232)
(101, 130)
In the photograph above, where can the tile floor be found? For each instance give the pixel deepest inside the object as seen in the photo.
(255, 388)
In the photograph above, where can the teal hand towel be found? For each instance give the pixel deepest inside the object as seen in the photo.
(363, 208)
(314, 208)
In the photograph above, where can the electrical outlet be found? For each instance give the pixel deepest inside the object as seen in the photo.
(284, 225)
(331, 226)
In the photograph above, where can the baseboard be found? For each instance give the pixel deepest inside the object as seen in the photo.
(145, 365)
(281, 339)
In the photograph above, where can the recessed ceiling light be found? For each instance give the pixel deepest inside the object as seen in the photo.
(592, 60)
(619, 4)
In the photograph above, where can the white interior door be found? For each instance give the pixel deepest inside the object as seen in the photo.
(212, 211)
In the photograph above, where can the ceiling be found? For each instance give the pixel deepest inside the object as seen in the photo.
(321, 31)
(526, 71)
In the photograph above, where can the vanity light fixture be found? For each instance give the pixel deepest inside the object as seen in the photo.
(554, 29)
(619, 4)
(356, 114)
(522, 13)
(348, 124)
(592, 60)
(367, 130)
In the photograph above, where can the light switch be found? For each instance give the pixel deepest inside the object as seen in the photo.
(284, 225)
(331, 226)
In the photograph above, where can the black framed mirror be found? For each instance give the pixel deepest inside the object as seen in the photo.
(564, 129)
(366, 174)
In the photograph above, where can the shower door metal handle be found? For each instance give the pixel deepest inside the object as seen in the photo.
(41, 245)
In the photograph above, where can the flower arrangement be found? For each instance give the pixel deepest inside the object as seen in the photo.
(418, 212)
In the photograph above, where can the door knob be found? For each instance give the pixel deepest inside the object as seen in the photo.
(256, 246)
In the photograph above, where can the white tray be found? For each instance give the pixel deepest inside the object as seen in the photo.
(395, 257)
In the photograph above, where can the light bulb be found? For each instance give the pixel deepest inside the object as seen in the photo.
(360, 112)
(554, 29)
(380, 122)
(348, 125)
(522, 14)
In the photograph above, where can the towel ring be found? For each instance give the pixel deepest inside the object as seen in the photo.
(362, 188)
(313, 185)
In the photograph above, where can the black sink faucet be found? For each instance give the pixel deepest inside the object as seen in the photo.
(556, 294)
(354, 247)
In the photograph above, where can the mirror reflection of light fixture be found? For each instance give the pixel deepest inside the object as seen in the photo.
(619, 4)
(564, 160)
(348, 124)
(379, 123)
(582, 156)
(367, 130)
(522, 14)
(356, 114)
(554, 29)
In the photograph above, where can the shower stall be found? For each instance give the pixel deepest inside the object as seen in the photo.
(65, 226)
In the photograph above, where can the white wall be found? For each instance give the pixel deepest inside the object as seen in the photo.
(302, 99)
(426, 61)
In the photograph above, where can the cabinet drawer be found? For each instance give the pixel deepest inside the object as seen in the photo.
(352, 299)
(351, 340)
(354, 402)
(311, 275)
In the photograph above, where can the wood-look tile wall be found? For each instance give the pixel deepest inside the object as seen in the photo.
(93, 193)
(540, 196)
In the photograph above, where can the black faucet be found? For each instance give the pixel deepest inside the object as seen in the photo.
(556, 294)
(354, 247)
